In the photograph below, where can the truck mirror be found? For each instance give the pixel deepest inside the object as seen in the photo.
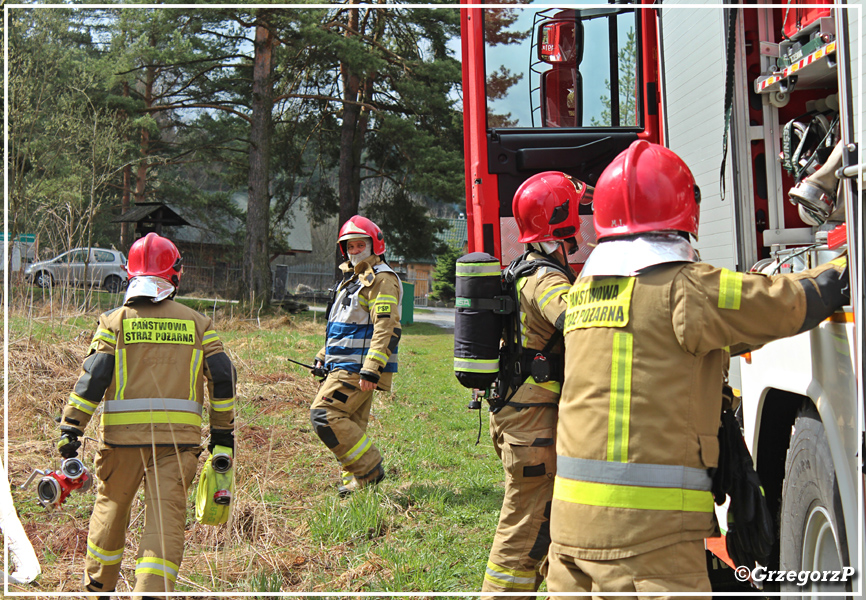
(560, 42)
(562, 91)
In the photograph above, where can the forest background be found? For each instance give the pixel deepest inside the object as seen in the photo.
(345, 106)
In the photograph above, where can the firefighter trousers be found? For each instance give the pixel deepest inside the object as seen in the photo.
(680, 567)
(168, 473)
(524, 437)
(339, 415)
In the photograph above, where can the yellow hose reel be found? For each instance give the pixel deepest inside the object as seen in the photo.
(216, 488)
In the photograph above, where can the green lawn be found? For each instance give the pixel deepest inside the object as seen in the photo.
(426, 528)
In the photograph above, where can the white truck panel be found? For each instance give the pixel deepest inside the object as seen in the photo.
(694, 70)
(817, 365)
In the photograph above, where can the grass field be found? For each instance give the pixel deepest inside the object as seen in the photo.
(426, 528)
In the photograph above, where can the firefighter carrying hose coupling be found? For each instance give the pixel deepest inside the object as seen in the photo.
(148, 365)
(523, 417)
(360, 352)
(647, 334)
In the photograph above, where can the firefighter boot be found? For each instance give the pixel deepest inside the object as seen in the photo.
(377, 475)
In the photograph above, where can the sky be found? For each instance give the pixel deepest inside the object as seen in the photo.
(594, 68)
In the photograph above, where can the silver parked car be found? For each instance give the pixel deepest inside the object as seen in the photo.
(106, 268)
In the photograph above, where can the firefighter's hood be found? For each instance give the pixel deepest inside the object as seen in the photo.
(627, 257)
(148, 286)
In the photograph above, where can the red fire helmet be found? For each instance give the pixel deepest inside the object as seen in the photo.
(361, 227)
(646, 188)
(156, 256)
(545, 207)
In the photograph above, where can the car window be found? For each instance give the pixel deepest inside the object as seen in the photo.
(103, 256)
(79, 256)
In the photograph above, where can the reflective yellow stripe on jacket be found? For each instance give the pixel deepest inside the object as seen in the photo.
(135, 411)
(632, 485)
(617, 483)
(560, 290)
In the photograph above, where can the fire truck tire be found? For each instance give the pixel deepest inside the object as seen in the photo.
(812, 524)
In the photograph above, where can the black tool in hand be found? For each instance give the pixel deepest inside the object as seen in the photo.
(317, 371)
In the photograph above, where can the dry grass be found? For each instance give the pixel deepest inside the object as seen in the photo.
(267, 533)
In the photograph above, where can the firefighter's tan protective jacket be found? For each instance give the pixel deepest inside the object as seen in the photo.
(541, 296)
(379, 295)
(150, 363)
(640, 406)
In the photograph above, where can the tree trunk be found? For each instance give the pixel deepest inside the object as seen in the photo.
(349, 195)
(125, 233)
(256, 265)
(351, 139)
(147, 96)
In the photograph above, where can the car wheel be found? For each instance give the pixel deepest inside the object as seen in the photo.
(43, 279)
(813, 526)
(113, 284)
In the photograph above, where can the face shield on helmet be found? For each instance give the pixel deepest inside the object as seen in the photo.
(360, 227)
(647, 188)
(546, 205)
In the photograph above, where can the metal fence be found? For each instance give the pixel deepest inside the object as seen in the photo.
(310, 282)
(313, 280)
(222, 282)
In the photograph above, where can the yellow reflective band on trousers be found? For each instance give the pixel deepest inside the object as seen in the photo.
(510, 578)
(102, 556)
(222, 405)
(357, 451)
(627, 496)
(156, 566)
(620, 398)
(730, 289)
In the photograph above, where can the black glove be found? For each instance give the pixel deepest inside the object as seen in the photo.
(370, 376)
(221, 437)
(318, 369)
(68, 444)
(749, 538)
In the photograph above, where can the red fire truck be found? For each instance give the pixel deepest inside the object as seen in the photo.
(759, 100)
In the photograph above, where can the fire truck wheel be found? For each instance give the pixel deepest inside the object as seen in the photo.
(813, 526)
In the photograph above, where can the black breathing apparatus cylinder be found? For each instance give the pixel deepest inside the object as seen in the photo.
(481, 307)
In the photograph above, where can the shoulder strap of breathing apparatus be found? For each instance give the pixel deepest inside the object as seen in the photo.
(513, 366)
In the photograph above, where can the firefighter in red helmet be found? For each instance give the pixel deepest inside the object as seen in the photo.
(647, 333)
(360, 353)
(523, 423)
(148, 365)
